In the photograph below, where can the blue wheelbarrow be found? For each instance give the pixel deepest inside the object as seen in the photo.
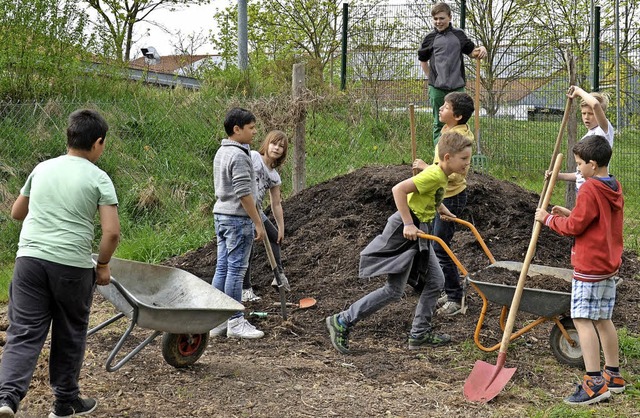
(168, 301)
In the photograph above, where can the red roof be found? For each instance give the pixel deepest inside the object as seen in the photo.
(168, 64)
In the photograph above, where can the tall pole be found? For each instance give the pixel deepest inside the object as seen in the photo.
(243, 58)
(345, 33)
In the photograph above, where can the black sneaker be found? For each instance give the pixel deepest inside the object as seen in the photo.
(6, 410)
(592, 390)
(339, 334)
(75, 408)
(615, 382)
(428, 339)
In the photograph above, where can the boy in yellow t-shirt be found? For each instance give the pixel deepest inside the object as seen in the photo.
(396, 252)
(454, 113)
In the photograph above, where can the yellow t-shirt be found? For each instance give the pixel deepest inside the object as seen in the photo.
(457, 182)
(431, 184)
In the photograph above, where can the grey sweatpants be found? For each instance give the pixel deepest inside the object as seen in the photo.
(44, 294)
(393, 291)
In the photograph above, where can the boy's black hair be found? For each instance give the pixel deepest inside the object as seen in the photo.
(594, 148)
(84, 128)
(461, 104)
(237, 116)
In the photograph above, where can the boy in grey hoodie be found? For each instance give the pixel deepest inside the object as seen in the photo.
(235, 215)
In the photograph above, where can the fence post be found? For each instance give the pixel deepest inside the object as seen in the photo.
(345, 33)
(299, 151)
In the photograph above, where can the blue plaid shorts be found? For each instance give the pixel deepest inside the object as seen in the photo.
(593, 300)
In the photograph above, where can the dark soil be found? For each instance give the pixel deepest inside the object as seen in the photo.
(294, 370)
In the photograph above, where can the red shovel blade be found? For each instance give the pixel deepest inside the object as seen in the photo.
(486, 380)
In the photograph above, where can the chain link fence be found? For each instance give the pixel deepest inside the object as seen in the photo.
(521, 94)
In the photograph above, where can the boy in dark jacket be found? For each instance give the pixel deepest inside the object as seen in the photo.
(596, 224)
(440, 57)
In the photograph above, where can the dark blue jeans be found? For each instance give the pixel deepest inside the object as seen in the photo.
(444, 231)
(235, 239)
(44, 294)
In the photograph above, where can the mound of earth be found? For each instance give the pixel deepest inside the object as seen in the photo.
(326, 227)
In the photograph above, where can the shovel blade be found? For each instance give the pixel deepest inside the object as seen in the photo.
(486, 381)
(306, 303)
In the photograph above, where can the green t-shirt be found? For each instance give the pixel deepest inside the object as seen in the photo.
(431, 184)
(64, 194)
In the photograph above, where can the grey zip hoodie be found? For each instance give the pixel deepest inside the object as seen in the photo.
(233, 178)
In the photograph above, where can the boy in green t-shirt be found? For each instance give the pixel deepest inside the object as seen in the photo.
(454, 113)
(54, 276)
(398, 251)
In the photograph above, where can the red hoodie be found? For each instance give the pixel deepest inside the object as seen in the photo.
(596, 224)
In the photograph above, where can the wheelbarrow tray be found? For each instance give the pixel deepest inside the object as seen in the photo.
(540, 302)
(168, 299)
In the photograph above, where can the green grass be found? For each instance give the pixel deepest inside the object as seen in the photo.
(161, 145)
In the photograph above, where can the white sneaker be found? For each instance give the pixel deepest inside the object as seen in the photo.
(450, 309)
(219, 331)
(249, 296)
(442, 300)
(241, 328)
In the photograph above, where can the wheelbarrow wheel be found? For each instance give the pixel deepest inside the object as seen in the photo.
(181, 350)
(562, 349)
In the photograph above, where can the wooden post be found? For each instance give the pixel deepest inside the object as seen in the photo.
(572, 133)
(299, 150)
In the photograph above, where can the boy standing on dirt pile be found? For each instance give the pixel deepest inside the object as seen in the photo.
(54, 277)
(592, 107)
(596, 224)
(441, 60)
(235, 215)
(454, 113)
(396, 252)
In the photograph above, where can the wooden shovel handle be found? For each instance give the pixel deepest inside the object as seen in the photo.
(556, 147)
(414, 144)
(517, 295)
(477, 107)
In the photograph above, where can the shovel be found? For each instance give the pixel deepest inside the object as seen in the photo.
(486, 381)
(303, 303)
(478, 160)
(276, 273)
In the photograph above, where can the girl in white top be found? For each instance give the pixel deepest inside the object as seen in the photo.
(592, 108)
(266, 160)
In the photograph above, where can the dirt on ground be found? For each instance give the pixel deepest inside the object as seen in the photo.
(295, 372)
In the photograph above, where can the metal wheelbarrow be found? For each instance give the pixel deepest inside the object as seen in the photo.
(548, 305)
(168, 301)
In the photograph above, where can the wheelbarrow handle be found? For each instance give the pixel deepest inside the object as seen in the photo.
(475, 233)
(447, 250)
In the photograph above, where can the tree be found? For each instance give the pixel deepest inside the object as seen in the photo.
(288, 30)
(186, 47)
(505, 28)
(42, 43)
(117, 20)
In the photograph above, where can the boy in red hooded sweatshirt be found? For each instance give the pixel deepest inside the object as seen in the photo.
(596, 255)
